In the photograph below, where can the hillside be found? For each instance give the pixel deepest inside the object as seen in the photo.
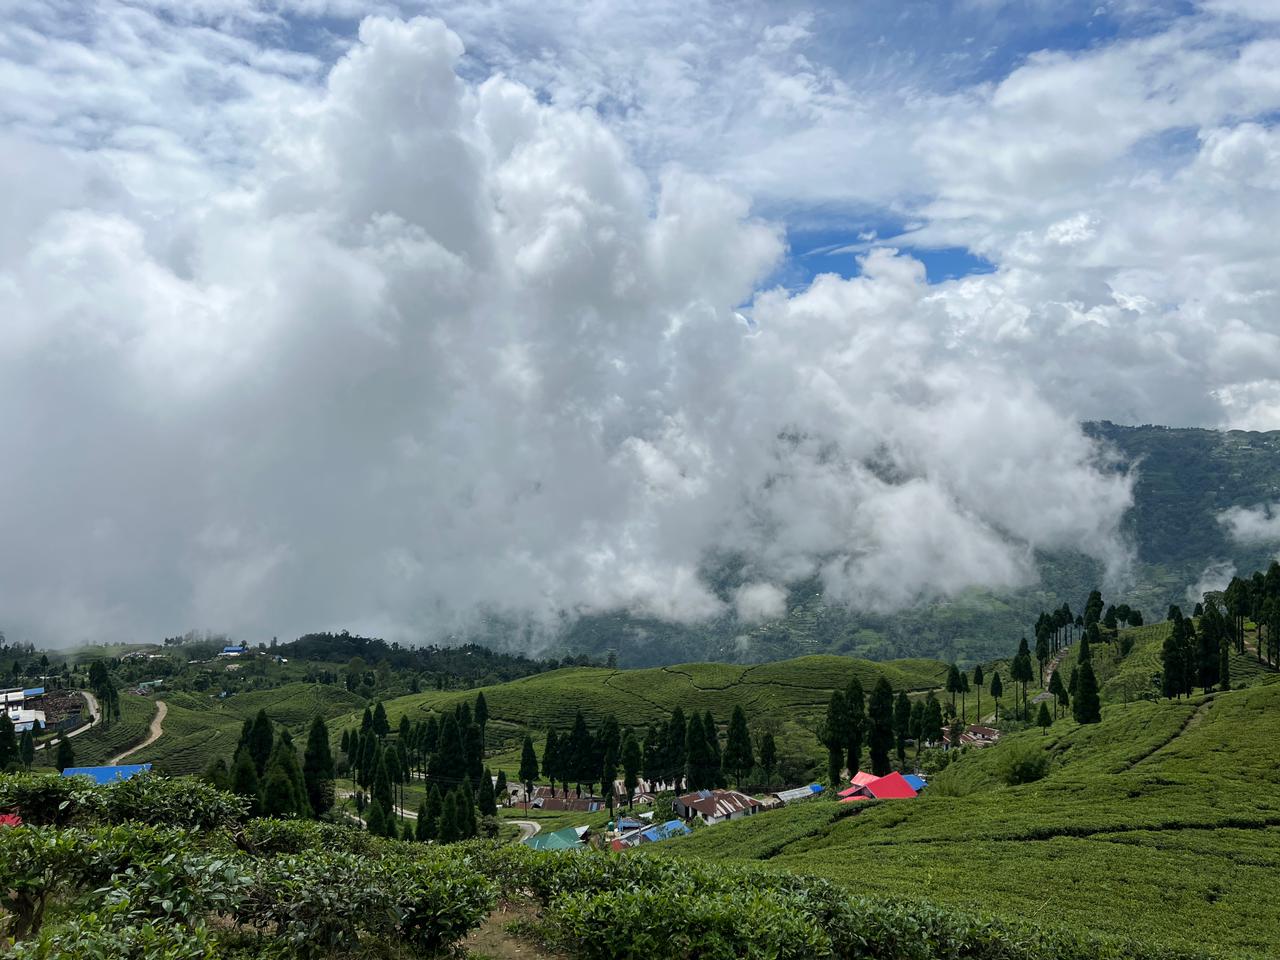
(1162, 822)
(787, 697)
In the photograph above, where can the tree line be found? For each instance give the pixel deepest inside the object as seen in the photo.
(265, 770)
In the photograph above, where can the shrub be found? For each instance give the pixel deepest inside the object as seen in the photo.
(37, 798)
(266, 836)
(179, 802)
(1022, 763)
(643, 923)
(105, 937)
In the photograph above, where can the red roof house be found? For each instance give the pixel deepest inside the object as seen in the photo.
(892, 786)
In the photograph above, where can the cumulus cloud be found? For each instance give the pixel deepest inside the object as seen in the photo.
(1253, 525)
(410, 346)
(1215, 577)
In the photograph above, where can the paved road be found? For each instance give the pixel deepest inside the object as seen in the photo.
(157, 730)
(527, 829)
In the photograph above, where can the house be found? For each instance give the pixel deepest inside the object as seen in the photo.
(654, 834)
(892, 786)
(26, 721)
(917, 783)
(101, 775)
(716, 806)
(234, 651)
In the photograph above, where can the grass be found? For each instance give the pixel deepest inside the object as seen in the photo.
(1161, 822)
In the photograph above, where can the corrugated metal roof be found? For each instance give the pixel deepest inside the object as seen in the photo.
(108, 774)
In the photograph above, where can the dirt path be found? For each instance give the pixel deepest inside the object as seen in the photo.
(157, 730)
(493, 941)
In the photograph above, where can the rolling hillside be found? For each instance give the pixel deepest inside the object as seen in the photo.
(1162, 822)
(787, 697)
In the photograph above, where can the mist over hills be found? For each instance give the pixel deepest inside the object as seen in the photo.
(1195, 496)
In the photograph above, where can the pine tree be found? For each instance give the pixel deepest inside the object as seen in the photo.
(1044, 720)
(580, 755)
(953, 684)
(27, 749)
(695, 748)
(880, 715)
(481, 717)
(916, 725)
(609, 774)
(317, 768)
(1173, 668)
(66, 758)
(977, 688)
(1059, 692)
(715, 768)
(738, 755)
(408, 832)
(997, 691)
(1224, 667)
(422, 828)
(279, 796)
(500, 786)
(366, 721)
(467, 810)
(380, 781)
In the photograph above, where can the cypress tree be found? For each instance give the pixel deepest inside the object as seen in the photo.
(932, 718)
(916, 725)
(345, 745)
(66, 758)
(369, 754)
(216, 774)
(1224, 668)
(449, 765)
(953, 684)
(376, 821)
(1059, 692)
(481, 715)
(261, 740)
(408, 832)
(27, 749)
(977, 688)
(285, 758)
(768, 755)
(501, 788)
(609, 773)
(467, 810)
(902, 724)
(244, 779)
(422, 829)
(1044, 720)
(880, 714)
(473, 745)
(676, 755)
(366, 721)
(1087, 707)
(997, 691)
(580, 756)
(381, 726)
(435, 809)
(448, 829)
(279, 796)
(529, 764)
(550, 762)
(631, 759)
(317, 768)
(835, 735)
(855, 710)
(715, 773)
(696, 759)
(485, 798)
(380, 781)
(738, 757)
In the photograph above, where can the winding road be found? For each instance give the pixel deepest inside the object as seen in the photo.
(527, 829)
(157, 730)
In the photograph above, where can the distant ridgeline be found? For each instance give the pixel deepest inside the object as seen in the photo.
(1186, 478)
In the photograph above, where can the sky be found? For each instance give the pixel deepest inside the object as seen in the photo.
(322, 314)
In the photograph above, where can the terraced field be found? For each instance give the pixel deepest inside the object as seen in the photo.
(197, 729)
(1162, 822)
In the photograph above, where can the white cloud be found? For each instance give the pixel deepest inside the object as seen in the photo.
(369, 334)
(1253, 525)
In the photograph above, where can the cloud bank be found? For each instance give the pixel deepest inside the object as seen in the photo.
(387, 331)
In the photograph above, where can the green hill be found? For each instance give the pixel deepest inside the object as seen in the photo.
(1162, 823)
(788, 697)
